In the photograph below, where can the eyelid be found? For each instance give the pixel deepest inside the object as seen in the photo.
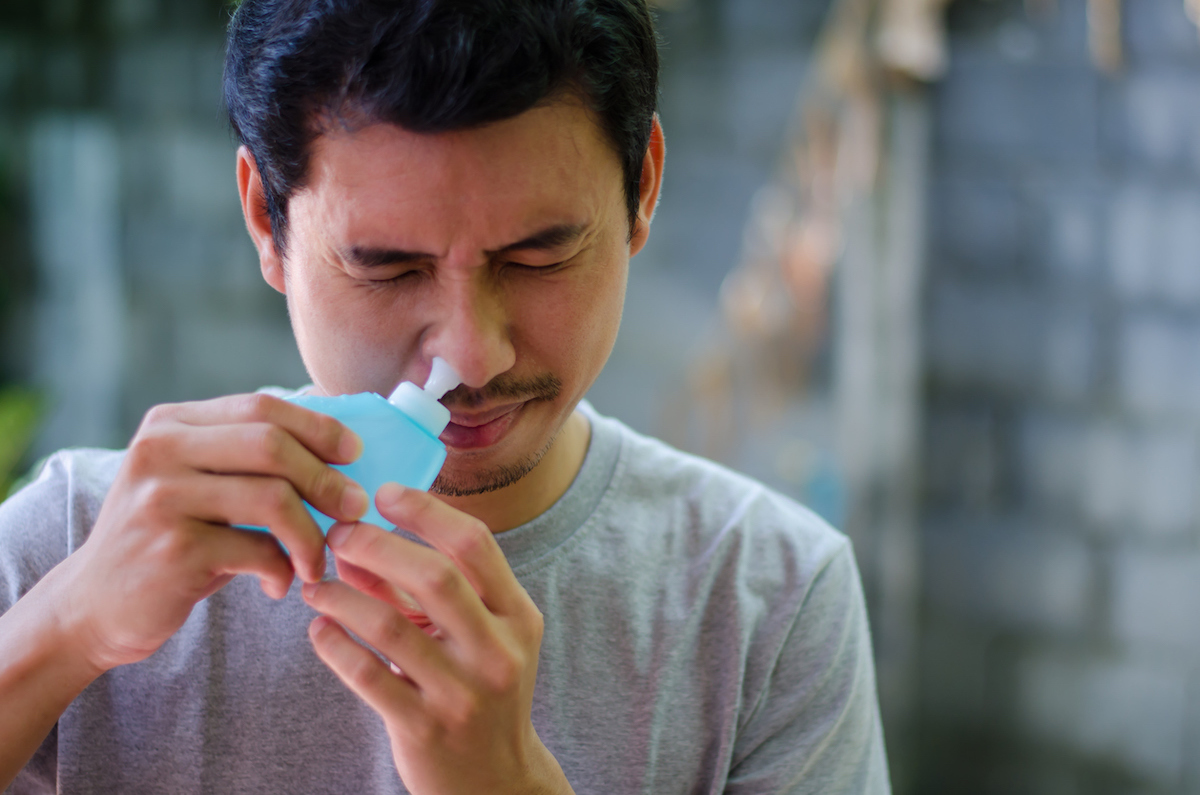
(379, 272)
(381, 280)
(548, 266)
(527, 266)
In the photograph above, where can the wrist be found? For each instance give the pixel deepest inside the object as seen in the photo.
(57, 631)
(546, 775)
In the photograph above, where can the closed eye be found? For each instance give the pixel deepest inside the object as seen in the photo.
(527, 267)
(396, 279)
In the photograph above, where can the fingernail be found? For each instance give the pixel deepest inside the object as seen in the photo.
(309, 590)
(316, 574)
(350, 446)
(391, 492)
(318, 625)
(338, 534)
(354, 500)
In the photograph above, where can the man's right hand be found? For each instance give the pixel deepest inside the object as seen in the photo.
(164, 538)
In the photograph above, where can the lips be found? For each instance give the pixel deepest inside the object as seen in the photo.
(469, 431)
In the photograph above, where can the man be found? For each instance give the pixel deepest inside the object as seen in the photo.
(589, 610)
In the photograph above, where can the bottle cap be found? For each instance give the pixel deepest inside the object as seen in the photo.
(442, 378)
(422, 405)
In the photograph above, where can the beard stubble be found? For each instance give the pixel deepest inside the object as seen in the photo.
(545, 387)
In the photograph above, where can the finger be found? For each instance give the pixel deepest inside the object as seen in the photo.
(366, 675)
(463, 538)
(386, 630)
(230, 551)
(362, 580)
(440, 589)
(327, 438)
(261, 448)
(258, 501)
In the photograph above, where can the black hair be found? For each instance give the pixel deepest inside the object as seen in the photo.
(293, 67)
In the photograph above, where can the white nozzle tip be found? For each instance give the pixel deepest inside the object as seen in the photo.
(442, 378)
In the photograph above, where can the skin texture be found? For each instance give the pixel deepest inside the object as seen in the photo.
(528, 326)
(460, 199)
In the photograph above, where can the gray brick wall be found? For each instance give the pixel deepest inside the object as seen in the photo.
(195, 319)
(1061, 650)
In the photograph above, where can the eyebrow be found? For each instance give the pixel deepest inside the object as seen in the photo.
(553, 237)
(550, 238)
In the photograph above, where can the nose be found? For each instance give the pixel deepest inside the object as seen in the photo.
(472, 331)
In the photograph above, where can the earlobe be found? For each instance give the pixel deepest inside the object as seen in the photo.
(650, 186)
(258, 222)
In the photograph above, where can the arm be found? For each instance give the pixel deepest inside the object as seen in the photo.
(457, 698)
(163, 540)
(40, 675)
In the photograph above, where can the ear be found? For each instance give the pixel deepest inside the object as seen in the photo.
(258, 223)
(652, 173)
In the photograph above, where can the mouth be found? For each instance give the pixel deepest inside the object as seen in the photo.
(473, 430)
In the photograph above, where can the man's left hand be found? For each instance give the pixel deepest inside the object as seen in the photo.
(463, 638)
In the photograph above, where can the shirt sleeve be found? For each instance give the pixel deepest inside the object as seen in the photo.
(33, 532)
(33, 540)
(815, 726)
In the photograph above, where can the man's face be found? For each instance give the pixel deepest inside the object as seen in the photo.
(504, 250)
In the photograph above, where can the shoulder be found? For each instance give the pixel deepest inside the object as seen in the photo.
(51, 516)
(78, 472)
(721, 514)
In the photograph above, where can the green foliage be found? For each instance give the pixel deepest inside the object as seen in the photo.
(20, 411)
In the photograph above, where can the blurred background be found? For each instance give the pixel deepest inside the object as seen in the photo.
(931, 267)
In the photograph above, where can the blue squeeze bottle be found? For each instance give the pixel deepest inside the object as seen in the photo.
(400, 435)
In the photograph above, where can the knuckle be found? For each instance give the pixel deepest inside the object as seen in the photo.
(174, 548)
(463, 710)
(148, 450)
(473, 541)
(390, 628)
(278, 495)
(164, 412)
(327, 484)
(329, 431)
(270, 442)
(536, 624)
(139, 458)
(441, 579)
(159, 497)
(365, 672)
(257, 406)
(504, 672)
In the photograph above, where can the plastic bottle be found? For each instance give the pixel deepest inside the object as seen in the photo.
(400, 435)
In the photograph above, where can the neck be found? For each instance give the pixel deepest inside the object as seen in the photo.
(532, 495)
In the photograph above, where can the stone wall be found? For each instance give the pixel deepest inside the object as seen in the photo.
(1061, 651)
(116, 151)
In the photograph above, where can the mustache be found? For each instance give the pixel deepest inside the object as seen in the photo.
(542, 387)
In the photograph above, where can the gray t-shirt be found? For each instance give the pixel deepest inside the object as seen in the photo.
(702, 635)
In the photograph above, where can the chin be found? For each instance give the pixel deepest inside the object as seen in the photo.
(487, 469)
(466, 481)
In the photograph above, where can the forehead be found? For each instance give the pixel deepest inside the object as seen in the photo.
(551, 163)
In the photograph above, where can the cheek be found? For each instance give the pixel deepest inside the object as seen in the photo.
(569, 328)
(349, 339)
